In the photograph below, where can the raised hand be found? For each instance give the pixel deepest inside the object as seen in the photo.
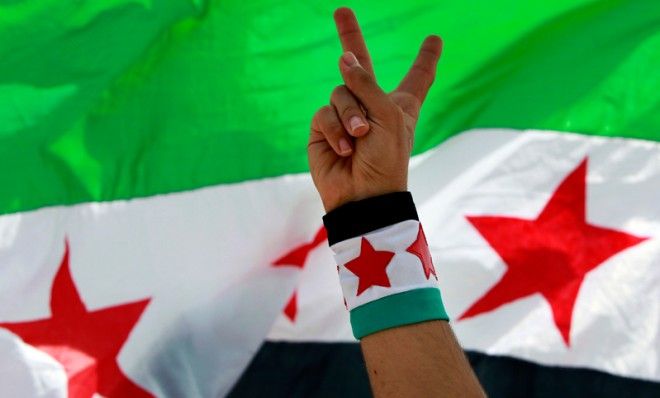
(360, 144)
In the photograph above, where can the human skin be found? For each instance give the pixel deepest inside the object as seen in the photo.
(359, 147)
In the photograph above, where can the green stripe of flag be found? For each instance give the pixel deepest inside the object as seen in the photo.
(131, 98)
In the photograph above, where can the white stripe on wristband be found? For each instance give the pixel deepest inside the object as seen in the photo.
(387, 261)
(384, 263)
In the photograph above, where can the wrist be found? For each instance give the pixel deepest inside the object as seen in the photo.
(336, 200)
(384, 264)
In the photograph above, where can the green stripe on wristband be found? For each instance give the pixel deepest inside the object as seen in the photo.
(399, 309)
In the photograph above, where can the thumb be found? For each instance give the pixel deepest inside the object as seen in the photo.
(363, 85)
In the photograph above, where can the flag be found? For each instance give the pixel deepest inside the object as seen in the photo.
(160, 235)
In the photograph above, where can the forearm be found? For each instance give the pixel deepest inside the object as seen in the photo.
(396, 309)
(418, 360)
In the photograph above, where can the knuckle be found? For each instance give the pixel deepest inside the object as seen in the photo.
(425, 72)
(321, 112)
(399, 116)
(428, 53)
(356, 76)
(337, 93)
(329, 122)
(348, 112)
(326, 114)
(319, 116)
(335, 127)
(398, 123)
(362, 78)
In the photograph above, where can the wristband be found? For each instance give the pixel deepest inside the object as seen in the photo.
(384, 264)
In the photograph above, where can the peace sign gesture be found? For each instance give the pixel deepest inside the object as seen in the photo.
(359, 145)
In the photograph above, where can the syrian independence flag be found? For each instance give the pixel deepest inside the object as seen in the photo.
(160, 235)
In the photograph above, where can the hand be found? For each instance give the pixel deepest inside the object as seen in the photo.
(359, 146)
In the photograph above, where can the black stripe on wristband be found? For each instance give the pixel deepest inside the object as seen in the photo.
(361, 217)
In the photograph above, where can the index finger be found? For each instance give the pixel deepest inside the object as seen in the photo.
(351, 37)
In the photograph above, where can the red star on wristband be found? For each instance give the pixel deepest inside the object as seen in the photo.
(370, 267)
(551, 254)
(420, 248)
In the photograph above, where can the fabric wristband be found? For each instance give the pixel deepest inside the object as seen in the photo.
(384, 264)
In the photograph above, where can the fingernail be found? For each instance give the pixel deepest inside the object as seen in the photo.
(349, 59)
(344, 147)
(356, 124)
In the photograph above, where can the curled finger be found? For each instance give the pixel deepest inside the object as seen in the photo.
(327, 122)
(349, 111)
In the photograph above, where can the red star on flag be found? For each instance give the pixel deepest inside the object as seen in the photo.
(550, 254)
(291, 307)
(86, 343)
(297, 258)
(370, 267)
(420, 248)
